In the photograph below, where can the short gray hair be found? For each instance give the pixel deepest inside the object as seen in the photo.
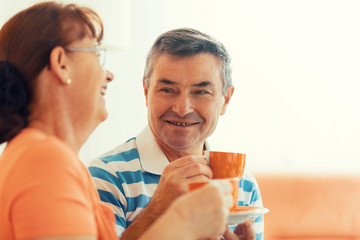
(189, 42)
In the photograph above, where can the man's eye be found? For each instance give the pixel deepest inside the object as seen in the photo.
(166, 90)
(201, 92)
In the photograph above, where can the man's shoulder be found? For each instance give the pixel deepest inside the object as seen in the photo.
(123, 153)
(122, 159)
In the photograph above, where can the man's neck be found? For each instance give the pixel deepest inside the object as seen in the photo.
(173, 154)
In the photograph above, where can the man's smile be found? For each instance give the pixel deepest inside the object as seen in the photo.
(181, 124)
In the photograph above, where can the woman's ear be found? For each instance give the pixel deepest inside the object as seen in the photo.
(59, 65)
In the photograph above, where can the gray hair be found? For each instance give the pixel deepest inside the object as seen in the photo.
(188, 42)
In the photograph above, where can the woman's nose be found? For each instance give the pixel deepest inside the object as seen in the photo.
(109, 75)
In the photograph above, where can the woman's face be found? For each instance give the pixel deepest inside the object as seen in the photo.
(88, 83)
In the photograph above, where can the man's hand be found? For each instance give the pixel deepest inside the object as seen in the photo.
(173, 181)
(243, 231)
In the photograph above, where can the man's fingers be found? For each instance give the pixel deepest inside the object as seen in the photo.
(196, 170)
(197, 178)
(190, 159)
(245, 230)
(189, 168)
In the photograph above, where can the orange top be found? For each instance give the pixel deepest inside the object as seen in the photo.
(45, 190)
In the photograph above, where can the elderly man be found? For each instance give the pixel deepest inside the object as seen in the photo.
(187, 85)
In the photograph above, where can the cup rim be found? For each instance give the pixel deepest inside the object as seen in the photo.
(204, 151)
(217, 179)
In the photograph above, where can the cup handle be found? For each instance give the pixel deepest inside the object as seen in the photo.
(206, 156)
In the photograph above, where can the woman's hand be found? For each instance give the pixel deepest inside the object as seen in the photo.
(202, 213)
(206, 210)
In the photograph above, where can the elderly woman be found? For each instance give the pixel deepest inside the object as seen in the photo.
(52, 86)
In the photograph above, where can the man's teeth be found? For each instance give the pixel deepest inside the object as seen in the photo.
(103, 91)
(181, 124)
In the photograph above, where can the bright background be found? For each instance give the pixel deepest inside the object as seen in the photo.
(296, 106)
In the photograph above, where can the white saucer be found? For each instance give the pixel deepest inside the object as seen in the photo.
(237, 217)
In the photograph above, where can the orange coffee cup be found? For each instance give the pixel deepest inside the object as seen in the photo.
(225, 164)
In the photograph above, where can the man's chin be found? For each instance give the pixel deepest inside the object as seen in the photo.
(181, 146)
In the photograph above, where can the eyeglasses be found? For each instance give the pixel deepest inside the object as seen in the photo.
(101, 52)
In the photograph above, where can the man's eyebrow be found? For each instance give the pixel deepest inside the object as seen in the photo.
(202, 84)
(166, 81)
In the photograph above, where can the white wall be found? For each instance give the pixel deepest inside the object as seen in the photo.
(295, 69)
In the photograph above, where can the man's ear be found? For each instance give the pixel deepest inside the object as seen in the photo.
(59, 64)
(227, 97)
(146, 90)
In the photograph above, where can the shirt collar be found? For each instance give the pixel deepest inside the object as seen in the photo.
(152, 158)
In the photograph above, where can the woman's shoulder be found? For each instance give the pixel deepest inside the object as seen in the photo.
(38, 162)
(35, 151)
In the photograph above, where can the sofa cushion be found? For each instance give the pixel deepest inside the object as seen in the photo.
(311, 207)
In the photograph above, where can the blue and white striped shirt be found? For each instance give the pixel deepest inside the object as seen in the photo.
(127, 178)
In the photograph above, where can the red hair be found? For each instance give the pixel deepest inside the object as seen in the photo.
(26, 41)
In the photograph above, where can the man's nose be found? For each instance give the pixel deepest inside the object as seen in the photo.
(183, 105)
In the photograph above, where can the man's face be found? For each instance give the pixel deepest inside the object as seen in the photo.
(185, 100)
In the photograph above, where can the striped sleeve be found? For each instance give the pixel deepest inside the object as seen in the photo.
(249, 195)
(122, 183)
(110, 190)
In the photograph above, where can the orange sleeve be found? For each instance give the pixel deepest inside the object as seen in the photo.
(51, 195)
